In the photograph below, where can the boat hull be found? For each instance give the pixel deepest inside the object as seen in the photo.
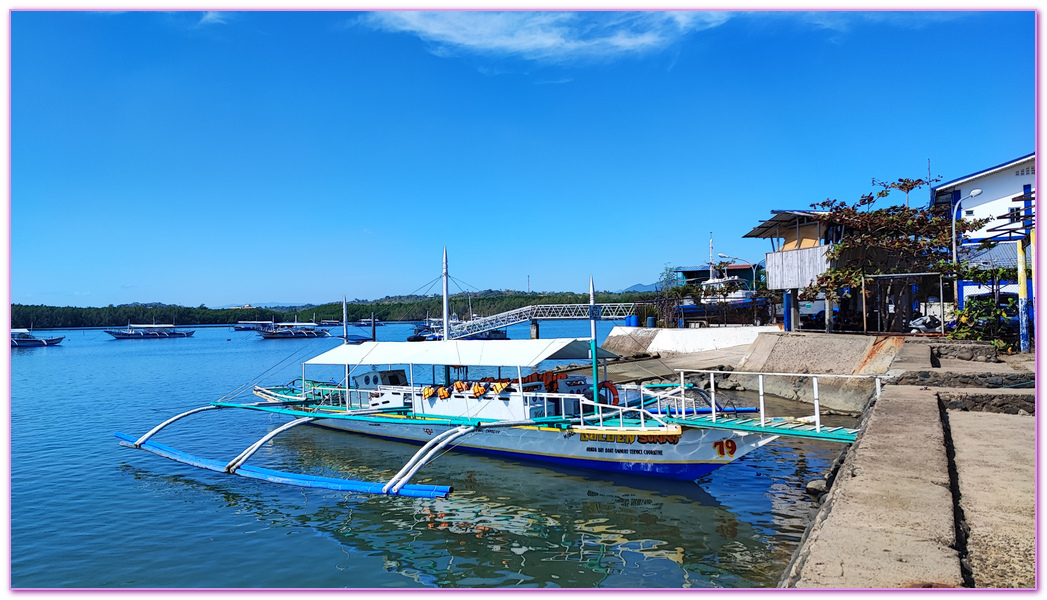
(688, 455)
(279, 335)
(149, 335)
(35, 342)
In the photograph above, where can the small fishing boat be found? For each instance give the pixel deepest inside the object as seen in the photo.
(24, 338)
(251, 325)
(148, 332)
(291, 330)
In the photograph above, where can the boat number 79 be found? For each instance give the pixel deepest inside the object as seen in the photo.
(725, 447)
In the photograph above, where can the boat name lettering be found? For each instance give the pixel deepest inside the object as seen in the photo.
(618, 438)
(658, 439)
(628, 438)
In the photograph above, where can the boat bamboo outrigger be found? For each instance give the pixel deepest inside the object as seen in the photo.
(570, 420)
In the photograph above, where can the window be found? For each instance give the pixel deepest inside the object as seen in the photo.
(968, 213)
(1014, 215)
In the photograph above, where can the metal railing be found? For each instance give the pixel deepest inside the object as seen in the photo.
(817, 417)
(539, 311)
(617, 413)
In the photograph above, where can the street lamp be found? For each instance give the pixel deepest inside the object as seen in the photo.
(752, 266)
(955, 265)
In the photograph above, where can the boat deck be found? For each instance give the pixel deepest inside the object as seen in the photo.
(783, 426)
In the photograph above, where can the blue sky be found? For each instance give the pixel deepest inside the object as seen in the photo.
(224, 158)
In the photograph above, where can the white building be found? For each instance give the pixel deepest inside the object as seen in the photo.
(1000, 186)
(1007, 198)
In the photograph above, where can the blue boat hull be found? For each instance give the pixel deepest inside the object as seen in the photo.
(137, 335)
(35, 342)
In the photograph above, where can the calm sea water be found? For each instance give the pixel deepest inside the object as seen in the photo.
(89, 513)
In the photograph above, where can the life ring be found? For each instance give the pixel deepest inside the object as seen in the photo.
(607, 385)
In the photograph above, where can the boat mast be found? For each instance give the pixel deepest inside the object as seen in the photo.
(345, 339)
(446, 307)
(592, 337)
(345, 321)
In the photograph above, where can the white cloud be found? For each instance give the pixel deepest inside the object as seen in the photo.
(844, 21)
(213, 17)
(547, 35)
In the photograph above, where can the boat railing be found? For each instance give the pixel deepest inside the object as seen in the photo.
(816, 418)
(602, 413)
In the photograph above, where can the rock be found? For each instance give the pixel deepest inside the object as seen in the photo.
(816, 487)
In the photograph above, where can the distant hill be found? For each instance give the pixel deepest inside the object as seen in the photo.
(640, 287)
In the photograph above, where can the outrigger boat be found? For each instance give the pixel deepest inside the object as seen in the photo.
(251, 325)
(24, 338)
(148, 332)
(293, 330)
(556, 418)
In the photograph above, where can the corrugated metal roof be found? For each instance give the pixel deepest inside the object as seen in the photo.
(782, 218)
(1004, 254)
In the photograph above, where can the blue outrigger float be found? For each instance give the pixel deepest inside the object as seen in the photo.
(556, 418)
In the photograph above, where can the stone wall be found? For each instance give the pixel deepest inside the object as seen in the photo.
(986, 401)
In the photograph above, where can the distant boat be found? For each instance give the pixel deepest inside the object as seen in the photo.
(367, 323)
(148, 332)
(726, 289)
(24, 338)
(293, 330)
(251, 325)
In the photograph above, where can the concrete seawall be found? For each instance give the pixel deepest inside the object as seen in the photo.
(836, 354)
(629, 341)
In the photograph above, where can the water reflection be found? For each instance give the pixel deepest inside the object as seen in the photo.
(518, 524)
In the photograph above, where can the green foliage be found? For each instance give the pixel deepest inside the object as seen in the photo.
(410, 309)
(889, 240)
(983, 318)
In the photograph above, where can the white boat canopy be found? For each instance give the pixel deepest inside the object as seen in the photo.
(474, 353)
(148, 326)
(19, 331)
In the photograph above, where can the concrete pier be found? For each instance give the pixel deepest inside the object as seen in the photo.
(938, 490)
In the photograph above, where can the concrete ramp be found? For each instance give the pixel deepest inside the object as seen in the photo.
(837, 354)
(629, 341)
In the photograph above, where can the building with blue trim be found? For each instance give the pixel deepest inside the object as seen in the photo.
(1007, 198)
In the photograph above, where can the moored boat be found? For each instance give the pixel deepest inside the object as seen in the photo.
(251, 325)
(508, 417)
(24, 338)
(292, 330)
(551, 417)
(148, 332)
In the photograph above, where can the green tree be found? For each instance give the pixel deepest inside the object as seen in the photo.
(890, 240)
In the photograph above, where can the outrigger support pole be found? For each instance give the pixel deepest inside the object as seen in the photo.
(242, 458)
(423, 456)
(138, 443)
